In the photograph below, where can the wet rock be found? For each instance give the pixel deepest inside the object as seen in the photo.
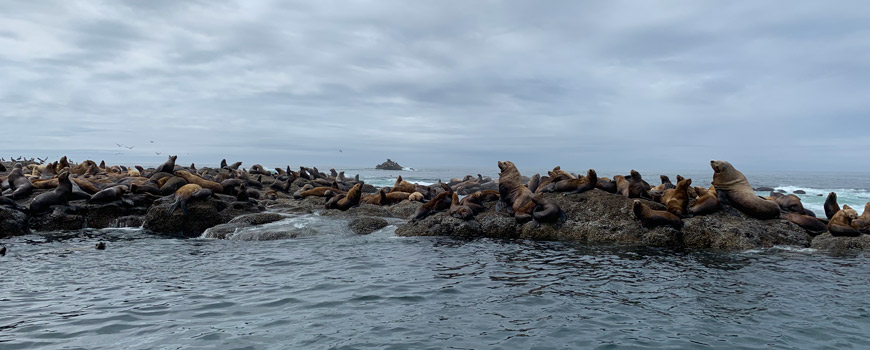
(763, 189)
(826, 241)
(60, 218)
(389, 165)
(12, 222)
(366, 225)
(800, 192)
(600, 217)
(223, 231)
(203, 214)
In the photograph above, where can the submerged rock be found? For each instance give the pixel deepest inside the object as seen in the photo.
(366, 225)
(223, 231)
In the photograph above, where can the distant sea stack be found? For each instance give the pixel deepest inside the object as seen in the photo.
(389, 165)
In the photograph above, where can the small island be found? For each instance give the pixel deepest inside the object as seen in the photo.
(389, 165)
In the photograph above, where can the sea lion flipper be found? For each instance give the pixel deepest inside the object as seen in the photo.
(173, 207)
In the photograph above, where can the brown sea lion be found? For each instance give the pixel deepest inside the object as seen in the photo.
(707, 203)
(403, 186)
(63, 163)
(231, 186)
(133, 173)
(789, 203)
(862, 223)
(840, 224)
(109, 195)
(666, 184)
(676, 199)
(86, 185)
(650, 218)
(172, 184)
(100, 246)
(812, 225)
(441, 201)
(319, 191)
(270, 195)
(44, 184)
(732, 185)
(533, 183)
(392, 197)
(242, 192)
(577, 184)
(622, 185)
(168, 166)
(558, 174)
(513, 196)
(18, 183)
(196, 179)
(831, 206)
(187, 193)
(346, 201)
(637, 188)
(258, 169)
(145, 188)
(547, 210)
(458, 210)
(60, 196)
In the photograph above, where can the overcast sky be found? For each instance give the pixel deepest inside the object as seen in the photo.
(609, 84)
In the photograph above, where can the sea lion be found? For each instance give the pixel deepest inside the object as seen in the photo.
(558, 174)
(258, 169)
(18, 183)
(10, 203)
(242, 193)
(650, 218)
(512, 194)
(100, 246)
(442, 201)
(459, 211)
(392, 197)
(196, 179)
(187, 193)
(666, 184)
(533, 183)
(576, 184)
(231, 186)
(732, 186)
(145, 188)
(270, 195)
(86, 185)
(403, 186)
(831, 206)
(547, 210)
(346, 201)
(622, 185)
(862, 223)
(316, 191)
(60, 196)
(109, 195)
(840, 224)
(676, 199)
(171, 184)
(789, 203)
(637, 188)
(606, 184)
(3, 249)
(416, 197)
(707, 202)
(812, 225)
(168, 166)
(63, 163)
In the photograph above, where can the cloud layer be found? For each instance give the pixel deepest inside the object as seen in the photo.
(613, 85)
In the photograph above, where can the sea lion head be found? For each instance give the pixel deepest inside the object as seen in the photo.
(637, 207)
(635, 175)
(100, 246)
(503, 166)
(850, 213)
(720, 165)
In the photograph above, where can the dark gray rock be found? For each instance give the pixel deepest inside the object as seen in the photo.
(828, 242)
(366, 225)
(800, 192)
(763, 189)
(203, 214)
(12, 222)
(389, 165)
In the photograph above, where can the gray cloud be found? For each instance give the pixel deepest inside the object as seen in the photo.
(611, 85)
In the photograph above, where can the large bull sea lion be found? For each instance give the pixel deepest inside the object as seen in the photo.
(732, 185)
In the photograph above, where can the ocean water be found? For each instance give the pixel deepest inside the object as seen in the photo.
(326, 288)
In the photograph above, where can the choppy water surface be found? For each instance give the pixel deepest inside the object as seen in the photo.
(382, 291)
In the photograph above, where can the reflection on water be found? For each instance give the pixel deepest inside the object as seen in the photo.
(382, 291)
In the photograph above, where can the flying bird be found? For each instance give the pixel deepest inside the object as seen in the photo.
(151, 141)
(119, 145)
(131, 147)
(158, 153)
(339, 151)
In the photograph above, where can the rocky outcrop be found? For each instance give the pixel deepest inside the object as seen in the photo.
(223, 231)
(12, 222)
(389, 165)
(600, 217)
(203, 215)
(366, 225)
(826, 241)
